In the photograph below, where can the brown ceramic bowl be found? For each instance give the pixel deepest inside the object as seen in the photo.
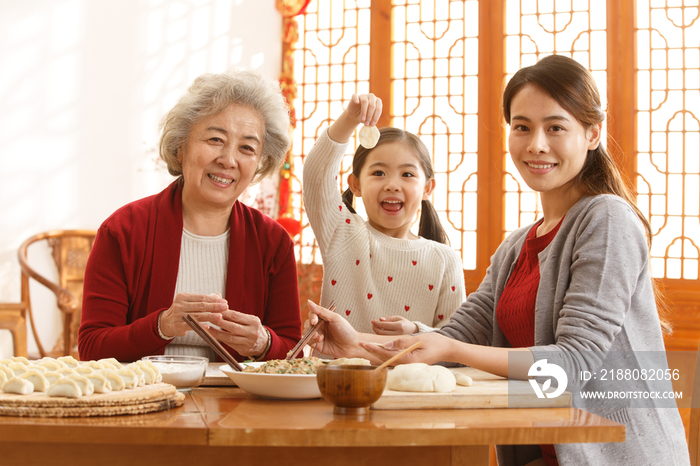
(351, 389)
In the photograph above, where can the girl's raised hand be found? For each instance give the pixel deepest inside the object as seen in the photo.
(394, 325)
(362, 109)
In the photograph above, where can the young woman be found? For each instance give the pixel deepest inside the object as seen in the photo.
(383, 278)
(574, 288)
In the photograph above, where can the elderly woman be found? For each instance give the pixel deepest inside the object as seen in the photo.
(193, 248)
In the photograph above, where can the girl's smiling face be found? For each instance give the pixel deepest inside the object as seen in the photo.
(392, 185)
(548, 145)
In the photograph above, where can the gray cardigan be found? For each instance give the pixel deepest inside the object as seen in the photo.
(595, 311)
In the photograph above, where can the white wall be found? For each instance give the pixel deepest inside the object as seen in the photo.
(83, 84)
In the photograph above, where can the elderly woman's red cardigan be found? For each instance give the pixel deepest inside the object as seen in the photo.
(131, 274)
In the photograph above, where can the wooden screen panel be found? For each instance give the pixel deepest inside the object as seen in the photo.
(535, 29)
(331, 62)
(434, 94)
(668, 142)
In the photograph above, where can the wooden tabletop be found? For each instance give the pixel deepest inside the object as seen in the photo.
(220, 423)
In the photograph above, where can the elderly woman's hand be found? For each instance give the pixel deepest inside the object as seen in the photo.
(201, 306)
(242, 332)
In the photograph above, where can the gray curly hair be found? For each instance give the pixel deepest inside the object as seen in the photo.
(212, 93)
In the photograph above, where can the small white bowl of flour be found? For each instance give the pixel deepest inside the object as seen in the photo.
(185, 372)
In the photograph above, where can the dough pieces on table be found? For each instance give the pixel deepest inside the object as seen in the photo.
(368, 136)
(419, 377)
(463, 379)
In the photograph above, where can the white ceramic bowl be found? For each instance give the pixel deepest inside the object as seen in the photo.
(280, 386)
(185, 372)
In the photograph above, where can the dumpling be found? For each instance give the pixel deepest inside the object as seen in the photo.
(139, 373)
(21, 359)
(64, 371)
(150, 375)
(3, 378)
(93, 365)
(99, 382)
(52, 377)
(9, 373)
(5, 362)
(66, 387)
(41, 384)
(110, 363)
(85, 385)
(37, 367)
(69, 361)
(50, 363)
(130, 378)
(18, 385)
(148, 363)
(114, 380)
(18, 368)
(84, 370)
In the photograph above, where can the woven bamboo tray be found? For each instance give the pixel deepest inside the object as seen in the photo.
(145, 399)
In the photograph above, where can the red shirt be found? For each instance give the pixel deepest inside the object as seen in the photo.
(515, 311)
(132, 271)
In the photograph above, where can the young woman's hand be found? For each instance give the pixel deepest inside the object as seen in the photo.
(394, 325)
(435, 348)
(336, 338)
(362, 109)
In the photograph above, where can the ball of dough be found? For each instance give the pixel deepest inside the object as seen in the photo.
(419, 377)
(369, 135)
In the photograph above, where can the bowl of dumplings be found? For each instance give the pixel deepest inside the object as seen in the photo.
(69, 378)
(185, 372)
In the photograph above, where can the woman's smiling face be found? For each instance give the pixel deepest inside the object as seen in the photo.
(547, 144)
(392, 185)
(220, 156)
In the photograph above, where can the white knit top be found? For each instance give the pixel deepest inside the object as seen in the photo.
(202, 270)
(369, 274)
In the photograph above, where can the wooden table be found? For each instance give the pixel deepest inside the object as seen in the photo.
(224, 425)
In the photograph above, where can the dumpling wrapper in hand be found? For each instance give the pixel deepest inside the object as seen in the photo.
(65, 387)
(18, 385)
(419, 377)
(368, 136)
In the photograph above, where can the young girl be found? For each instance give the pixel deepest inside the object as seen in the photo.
(383, 278)
(574, 288)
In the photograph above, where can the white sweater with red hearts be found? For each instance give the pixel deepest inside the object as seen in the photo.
(369, 274)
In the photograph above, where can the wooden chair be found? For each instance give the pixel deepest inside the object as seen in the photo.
(70, 250)
(13, 317)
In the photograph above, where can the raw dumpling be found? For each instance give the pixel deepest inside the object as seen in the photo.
(368, 136)
(139, 373)
(419, 377)
(66, 387)
(130, 378)
(69, 361)
(84, 383)
(18, 368)
(84, 370)
(3, 378)
(50, 364)
(463, 379)
(37, 367)
(93, 365)
(41, 384)
(9, 373)
(110, 363)
(64, 371)
(18, 385)
(52, 377)
(21, 359)
(150, 375)
(100, 382)
(114, 380)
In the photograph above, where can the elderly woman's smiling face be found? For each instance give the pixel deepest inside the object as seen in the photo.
(220, 157)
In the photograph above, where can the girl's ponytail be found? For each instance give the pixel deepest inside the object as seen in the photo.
(429, 226)
(349, 200)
